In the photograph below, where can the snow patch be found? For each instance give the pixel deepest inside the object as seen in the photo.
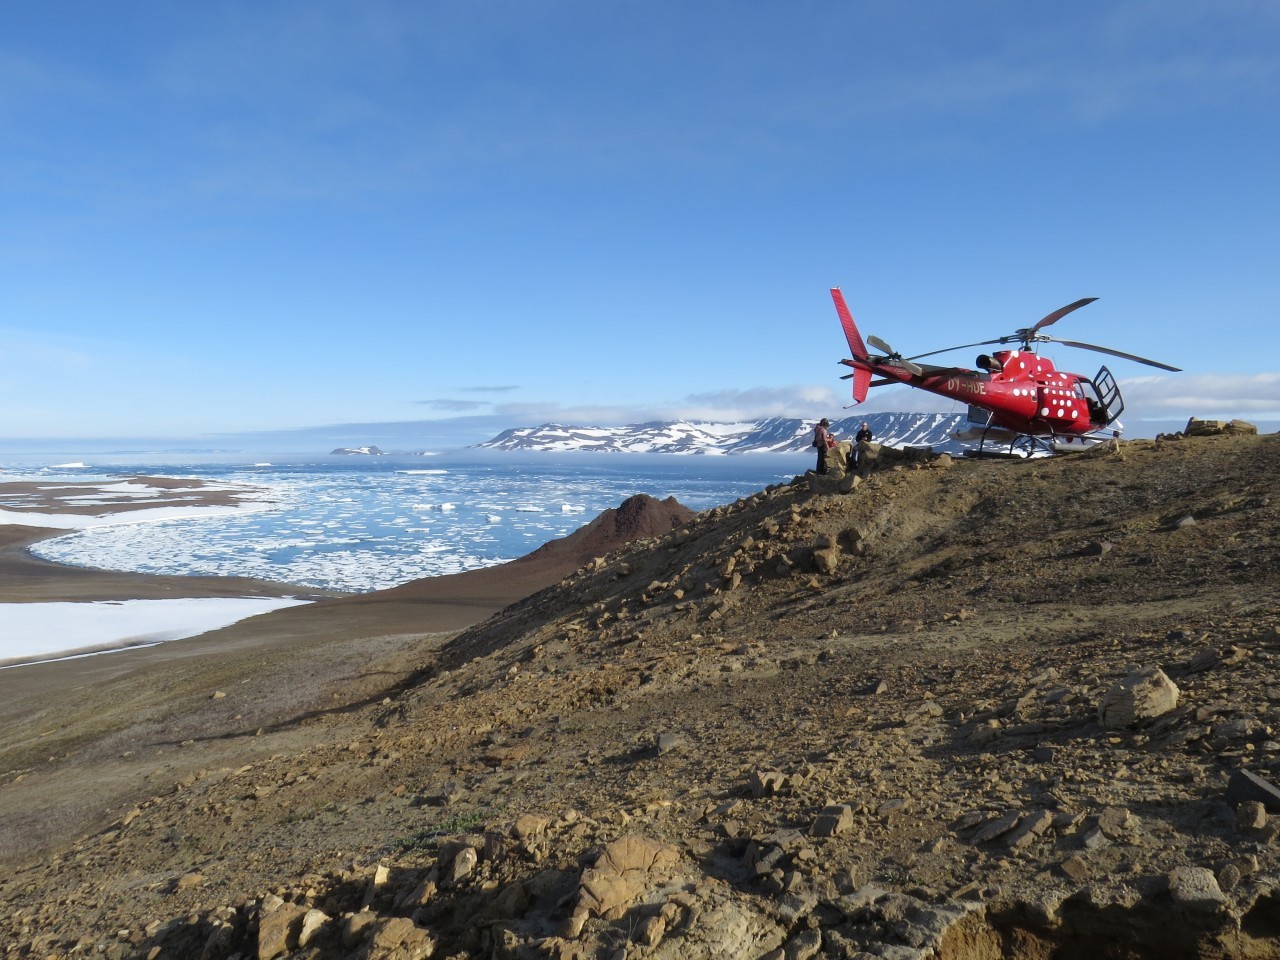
(32, 632)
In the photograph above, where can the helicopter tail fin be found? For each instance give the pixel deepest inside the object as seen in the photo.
(861, 375)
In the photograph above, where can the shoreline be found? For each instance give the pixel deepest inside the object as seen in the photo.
(139, 611)
(27, 578)
(31, 512)
(129, 600)
(425, 607)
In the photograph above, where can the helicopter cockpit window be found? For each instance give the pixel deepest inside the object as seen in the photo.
(1092, 401)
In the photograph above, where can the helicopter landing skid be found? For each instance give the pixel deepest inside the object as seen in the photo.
(1023, 446)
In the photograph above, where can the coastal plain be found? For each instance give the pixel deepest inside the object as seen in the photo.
(951, 709)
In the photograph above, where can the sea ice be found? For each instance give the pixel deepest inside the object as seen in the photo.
(68, 521)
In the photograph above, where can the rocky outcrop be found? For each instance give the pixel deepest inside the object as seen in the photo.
(1141, 696)
(1213, 428)
(639, 517)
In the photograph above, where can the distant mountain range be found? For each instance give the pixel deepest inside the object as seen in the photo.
(773, 435)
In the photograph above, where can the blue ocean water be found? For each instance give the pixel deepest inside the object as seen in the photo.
(365, 523)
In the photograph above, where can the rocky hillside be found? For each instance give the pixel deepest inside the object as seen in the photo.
(949, 709)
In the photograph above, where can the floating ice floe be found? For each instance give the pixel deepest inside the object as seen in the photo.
(304, 534)
(68, 521)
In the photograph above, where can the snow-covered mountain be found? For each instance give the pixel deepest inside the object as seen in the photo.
(774, 435)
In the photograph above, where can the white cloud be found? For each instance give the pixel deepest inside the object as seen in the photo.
(909, 400)
(1176, 396)
(530, 413)
(756, 403)
(750, 403)
(1214, 396)
(455, 406)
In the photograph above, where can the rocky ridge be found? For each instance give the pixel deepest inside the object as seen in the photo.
(938, 709)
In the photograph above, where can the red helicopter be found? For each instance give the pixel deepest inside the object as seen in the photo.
(1016, 397)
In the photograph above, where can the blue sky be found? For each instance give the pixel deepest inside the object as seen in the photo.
(228, 217)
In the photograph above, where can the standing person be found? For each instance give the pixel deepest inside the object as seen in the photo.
(822, 439)
(863, 435)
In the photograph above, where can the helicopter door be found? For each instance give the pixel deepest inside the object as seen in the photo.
(1106, 404)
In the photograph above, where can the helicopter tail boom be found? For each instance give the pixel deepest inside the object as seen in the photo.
(861, 375)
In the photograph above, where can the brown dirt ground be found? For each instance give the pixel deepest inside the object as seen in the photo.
(945, 672)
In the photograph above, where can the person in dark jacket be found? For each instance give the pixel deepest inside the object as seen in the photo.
(863, 434)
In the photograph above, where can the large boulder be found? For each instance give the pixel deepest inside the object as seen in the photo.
(869, 453)
(1141, 696)
(624, 869)
(837, 459)
(278, 929)
(398, 938)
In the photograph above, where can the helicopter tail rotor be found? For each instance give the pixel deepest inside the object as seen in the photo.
(893, 358)
(880, 345)
(862, 378)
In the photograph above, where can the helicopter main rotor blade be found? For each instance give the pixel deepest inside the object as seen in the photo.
(1023, 336)
(963, 346)
(1062, 312)
(1115, 353)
